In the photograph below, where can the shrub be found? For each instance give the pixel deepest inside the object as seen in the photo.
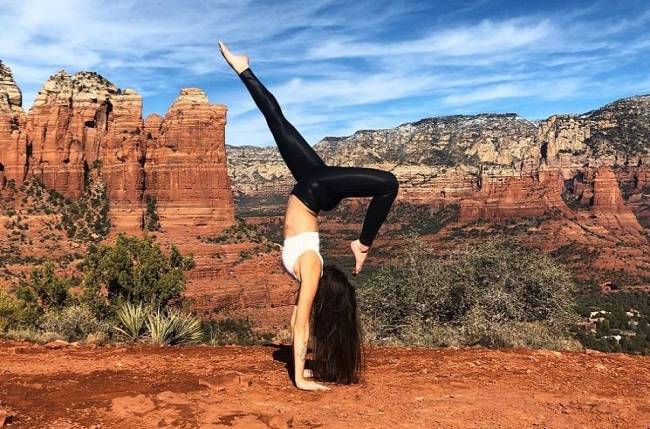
(134, 270)
(73, 323)
(173, 328)
(151, 218)
(132, 320)
(16, 313)
(497, 295)
(31, 334)
(45, 288)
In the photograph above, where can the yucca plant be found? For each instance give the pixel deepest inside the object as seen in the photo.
(132, 320)
(160, 328)
(173, 328)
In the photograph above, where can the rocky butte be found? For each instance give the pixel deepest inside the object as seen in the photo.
(83, 130)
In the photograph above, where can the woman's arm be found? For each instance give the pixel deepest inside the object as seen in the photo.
(310, 268)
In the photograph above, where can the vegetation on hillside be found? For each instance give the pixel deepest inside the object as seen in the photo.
(497, 295)
(243, 232)
(84, 219)
(151, 219)
(131, 290)
(422, 219)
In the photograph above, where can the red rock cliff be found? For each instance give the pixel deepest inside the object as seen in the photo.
(186, 166)
(83, 122)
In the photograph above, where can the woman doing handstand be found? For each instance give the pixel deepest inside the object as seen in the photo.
(326, 296)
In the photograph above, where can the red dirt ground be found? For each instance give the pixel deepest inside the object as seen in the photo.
(248, 387)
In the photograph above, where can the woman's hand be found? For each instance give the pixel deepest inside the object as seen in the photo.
(306, 384)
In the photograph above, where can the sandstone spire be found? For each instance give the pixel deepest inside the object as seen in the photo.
(186, 165)
(11, 98)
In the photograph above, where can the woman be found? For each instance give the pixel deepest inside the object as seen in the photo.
(325, 294)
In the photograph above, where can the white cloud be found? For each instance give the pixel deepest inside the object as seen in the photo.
(484, 38)
(546, 90)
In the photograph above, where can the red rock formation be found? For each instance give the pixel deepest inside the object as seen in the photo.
(610, 208)
(122, 156)
(83, 122)
(83, 126)
(56, 133)
(531, 194)
(186, 166)
(11, 98)
(607, 195)
(637, 184)
(12, 161)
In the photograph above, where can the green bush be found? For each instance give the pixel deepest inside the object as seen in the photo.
(74, 323)
(16, 313)
(45, 288)
(497, 295)
(134, 270)
(173, 327)
(151, 218)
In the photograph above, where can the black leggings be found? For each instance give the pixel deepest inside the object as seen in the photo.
(321, 187)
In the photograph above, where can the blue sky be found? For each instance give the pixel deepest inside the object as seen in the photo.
(340, 66)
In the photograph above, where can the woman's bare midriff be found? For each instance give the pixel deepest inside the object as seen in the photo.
(299, 218)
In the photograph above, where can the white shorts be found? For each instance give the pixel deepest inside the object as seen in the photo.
(298, 244)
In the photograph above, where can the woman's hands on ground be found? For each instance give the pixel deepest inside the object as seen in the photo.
(360, 253)
(306, 384)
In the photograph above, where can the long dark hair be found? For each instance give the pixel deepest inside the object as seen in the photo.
(336, 331)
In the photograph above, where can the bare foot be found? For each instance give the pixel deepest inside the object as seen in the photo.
(360, 254)
(239, 63)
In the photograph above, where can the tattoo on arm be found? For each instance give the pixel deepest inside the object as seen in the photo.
(303, 352)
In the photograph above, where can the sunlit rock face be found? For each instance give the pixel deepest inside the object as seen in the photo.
(186, 166)
(12, 162)
(83, 122)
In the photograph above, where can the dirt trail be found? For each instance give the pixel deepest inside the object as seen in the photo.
(247, 387)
